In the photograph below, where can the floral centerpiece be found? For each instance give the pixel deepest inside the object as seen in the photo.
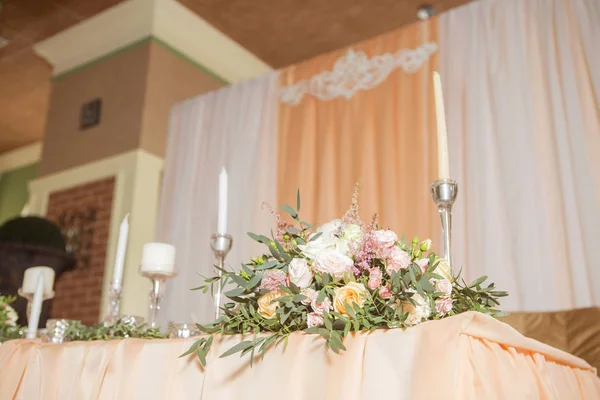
(343, 277)
(8, 319)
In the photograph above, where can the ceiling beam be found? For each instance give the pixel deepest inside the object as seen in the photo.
(166, 20)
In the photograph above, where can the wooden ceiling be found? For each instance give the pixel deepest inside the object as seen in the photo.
(280, 32)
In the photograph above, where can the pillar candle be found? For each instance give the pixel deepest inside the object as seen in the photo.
(222, 220)
(158, 258)
(30, 280)
(442, 136)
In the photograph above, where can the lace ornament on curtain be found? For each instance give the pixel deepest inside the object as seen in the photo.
(355, 71)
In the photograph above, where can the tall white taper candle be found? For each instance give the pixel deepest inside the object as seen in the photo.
(121, 250)
(36, 308)
(442, 135)
(222, 220)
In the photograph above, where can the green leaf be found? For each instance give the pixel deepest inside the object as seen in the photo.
(238, 280)
(254, 281)
(288, 209)
(201, 356)
(299, 298)
(326, 278)
(298, 200)
(282, 252)
(237, 348)
(235, 292)
(321, 296)
(267, 265)
(316, 236)
(193, 347)
(477, 281)
(260, 238)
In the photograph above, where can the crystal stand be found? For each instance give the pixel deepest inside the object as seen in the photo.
(220, 243)
(114, 302)
(444, 194)
(158, 280)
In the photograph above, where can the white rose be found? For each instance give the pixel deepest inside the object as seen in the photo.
(315, 247)
(351, 233)
(443, 269)
(418, 313)
(300, 274)
(330, 230)
(334, 263)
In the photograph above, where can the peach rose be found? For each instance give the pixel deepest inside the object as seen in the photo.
(351, 293)
(266, 306)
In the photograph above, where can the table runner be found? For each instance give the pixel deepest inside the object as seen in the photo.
(469, 356)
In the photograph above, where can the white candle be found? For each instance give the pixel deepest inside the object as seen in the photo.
(158, 258)
(222, 221)
(442, 136)
(36, 308)
(30, 280)
(121, 250)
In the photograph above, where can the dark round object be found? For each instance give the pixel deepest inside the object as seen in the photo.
(33, 231)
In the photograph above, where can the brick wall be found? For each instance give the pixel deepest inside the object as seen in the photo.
(84, 214)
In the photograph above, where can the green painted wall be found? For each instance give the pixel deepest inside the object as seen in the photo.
(14, 191)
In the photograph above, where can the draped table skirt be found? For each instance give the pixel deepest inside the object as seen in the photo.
(469, 356)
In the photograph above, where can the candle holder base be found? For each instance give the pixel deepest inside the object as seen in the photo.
(29, 298)
(220, 243)
(444, 194)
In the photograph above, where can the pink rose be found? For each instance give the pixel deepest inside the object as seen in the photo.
(314, 319)
(443, 305)
(443, 285)
(321, 307)
(384, 241)
(311, 294)
(334, 263)
(374, 278)
(423, 263)
(397, 259)
(385, 292)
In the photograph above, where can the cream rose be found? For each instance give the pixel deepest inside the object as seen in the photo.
(443, 269)
(443, 305)
(416, 313)
(299, 273)
(443, 285)
(334, 263)
(321, 307)
(351, 293)
(266, 306)
(311, 294)
(351, 233)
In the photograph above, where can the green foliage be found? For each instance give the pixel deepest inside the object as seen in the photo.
(76, 331)
(408, 287)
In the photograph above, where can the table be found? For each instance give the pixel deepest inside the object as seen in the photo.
(469, 356)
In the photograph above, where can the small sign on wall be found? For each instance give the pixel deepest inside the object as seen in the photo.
(90, 114)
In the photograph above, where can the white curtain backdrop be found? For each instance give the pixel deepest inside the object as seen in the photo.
(522, 93)
(233, 127)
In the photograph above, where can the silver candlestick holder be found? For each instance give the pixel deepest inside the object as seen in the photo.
(444, 194)
(220, 243)
(158, 279)
(114, 303)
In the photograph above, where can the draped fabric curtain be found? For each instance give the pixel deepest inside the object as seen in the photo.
(233, 127)
(522, 92)
(353, 122)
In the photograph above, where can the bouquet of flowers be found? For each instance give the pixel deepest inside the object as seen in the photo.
(8, 319)
(344, 276)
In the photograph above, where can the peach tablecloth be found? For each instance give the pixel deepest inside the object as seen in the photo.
(470, 356)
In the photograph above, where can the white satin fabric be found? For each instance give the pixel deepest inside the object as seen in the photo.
(522, 92)
(233, 127)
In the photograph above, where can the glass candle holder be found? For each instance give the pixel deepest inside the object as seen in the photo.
(182, 331)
